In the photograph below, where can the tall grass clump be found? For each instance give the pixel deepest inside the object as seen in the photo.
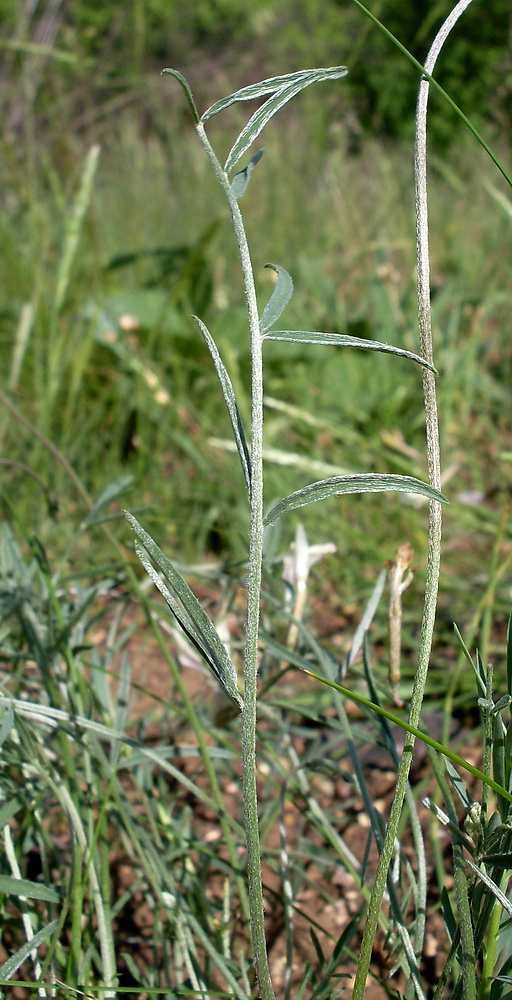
(74, 761)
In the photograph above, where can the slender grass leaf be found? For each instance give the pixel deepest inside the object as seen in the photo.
(74, 226)
(187, 610)
(318, 948)
(460, 787)
(343, 340)
(109, 494)
(254, 91)
(457, 834)
(502, 861)
(278, 300)
(9, 968)
(417, 733)
(279, 98)
(188, 93)
(241, 179)
(230, 400)
(495, 889)
(30, 890)
(509, 656)
(370, 482)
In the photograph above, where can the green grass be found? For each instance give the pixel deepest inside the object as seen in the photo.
(116, 398)
(352, 260)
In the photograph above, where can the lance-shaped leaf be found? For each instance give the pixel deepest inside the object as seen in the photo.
(188, 93)
(343, 340)
(241, 180)
(278, 300)
(495, 889)
(370, 482)
(281, 94)
(187, 610)
(230, 400)
(253, 92)
(110, 493)
(29, 890)
(9, 967)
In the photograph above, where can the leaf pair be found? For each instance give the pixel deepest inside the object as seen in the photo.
(278, 90)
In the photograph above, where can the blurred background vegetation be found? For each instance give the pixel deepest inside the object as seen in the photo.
(105, 258)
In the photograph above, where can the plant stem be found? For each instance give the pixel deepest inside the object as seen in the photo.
(248, 728)
(435, 513)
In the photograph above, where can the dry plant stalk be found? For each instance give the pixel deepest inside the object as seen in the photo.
(398, 566)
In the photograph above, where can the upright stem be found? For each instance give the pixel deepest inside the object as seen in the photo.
(248, 729)
(435, 518)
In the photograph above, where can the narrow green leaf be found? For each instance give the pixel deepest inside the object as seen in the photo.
(262, 116)
(188, 93)
(109, 494)
(9, 968)
(458, 783)
(457, 834)
(278, 300)
(402, 724)
(343, 340)
(241, 180)
(253, 92)
(187, 610)
(495, 889)
(31, 890)
(502, 861)
(371, 482)
(509, 656)
(230, 400)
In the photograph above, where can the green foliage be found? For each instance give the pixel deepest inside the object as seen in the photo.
(116, 47)
(107, 382)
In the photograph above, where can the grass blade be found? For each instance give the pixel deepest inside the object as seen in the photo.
(29, 890)
(371, 482)
(74, 226)
(278, 300)
(9, 968)
(109, 494)
(230, 400)
(343, 340)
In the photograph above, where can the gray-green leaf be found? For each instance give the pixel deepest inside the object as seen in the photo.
(188, 93)
(187, 610)
(253, 92)
(281, 94)
(278, 300)
(230, 400)
(343, 340)
(110, 493)
(241, 179)
(371, 482)
(29, 890)
(14, 961)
